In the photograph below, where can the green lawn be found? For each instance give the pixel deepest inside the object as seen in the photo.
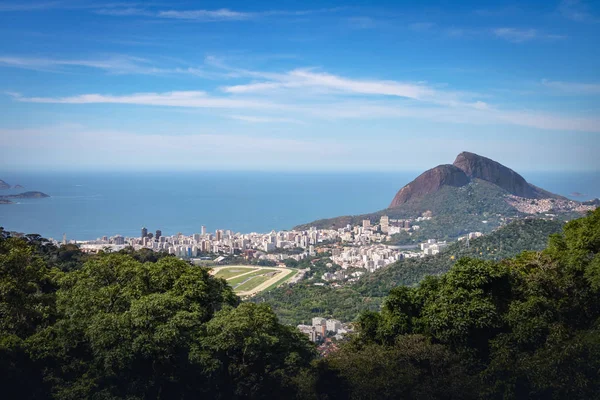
(252, 283)
(227, 273)
(237, 281)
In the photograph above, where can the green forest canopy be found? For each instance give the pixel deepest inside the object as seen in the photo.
(111, 326)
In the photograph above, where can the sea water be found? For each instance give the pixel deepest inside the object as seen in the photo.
(90, 205)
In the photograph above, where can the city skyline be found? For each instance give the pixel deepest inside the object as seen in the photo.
(316, 86)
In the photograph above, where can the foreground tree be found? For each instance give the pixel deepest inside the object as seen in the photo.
(161, 330)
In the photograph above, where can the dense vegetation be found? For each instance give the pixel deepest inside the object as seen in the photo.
(299, 303)
(527, 327)
(113, 327)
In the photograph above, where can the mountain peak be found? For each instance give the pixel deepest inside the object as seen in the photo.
(466, 167)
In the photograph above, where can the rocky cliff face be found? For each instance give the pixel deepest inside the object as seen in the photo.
(466, 167)
(429, 182)
(476, 166)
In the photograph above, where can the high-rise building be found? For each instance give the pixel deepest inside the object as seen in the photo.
(144, 232)
(366, 223)
(219, 235)
(158, 234)
(120, 240)
(203, 230)
(384, 222)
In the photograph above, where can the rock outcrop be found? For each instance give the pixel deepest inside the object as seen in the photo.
(430, 181)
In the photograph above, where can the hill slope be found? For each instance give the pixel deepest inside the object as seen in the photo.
(461, 197)
(300, 302)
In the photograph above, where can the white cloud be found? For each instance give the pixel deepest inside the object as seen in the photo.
(201, 15)
(193, 99)
(302, 78)
(301, 93)
(222, 14)
(261, 119)
(117, 64)
(573, 87)
(478, 113)
(516, 35)
(10, 7)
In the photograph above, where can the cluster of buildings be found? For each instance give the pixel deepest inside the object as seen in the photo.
(221, 242)
(433, 247)
(535, 206)
(370, 257)
(271, 246)
(322, 328)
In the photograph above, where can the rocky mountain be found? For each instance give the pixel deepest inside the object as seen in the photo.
(431, 181)
(474, 193)
(466, 167)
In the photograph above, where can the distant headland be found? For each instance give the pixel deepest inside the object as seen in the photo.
(7, 199)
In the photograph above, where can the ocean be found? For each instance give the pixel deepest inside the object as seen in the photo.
(87, 206)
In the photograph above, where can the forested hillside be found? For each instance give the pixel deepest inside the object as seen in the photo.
(299, 303)
(112, 326)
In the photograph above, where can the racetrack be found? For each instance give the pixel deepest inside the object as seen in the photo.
(258, 278)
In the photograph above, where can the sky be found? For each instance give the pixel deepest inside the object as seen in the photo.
(298, 85)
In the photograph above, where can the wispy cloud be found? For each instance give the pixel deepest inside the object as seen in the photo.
(117, 64)
(194, 99)
(206, 15)
(477, 113)
(262, 120)
(23, 6)
(304, 93)
(516, 35)
(303, 78)
(121, 64)
(124, 12)
(576, 10)
(573, 87)
(222, 14)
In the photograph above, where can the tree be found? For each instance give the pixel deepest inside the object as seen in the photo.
(126, 328)
(249, 354)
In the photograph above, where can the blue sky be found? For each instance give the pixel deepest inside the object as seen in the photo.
(298, 85)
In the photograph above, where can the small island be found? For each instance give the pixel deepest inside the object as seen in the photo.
(18, 187)
(26, 195)
(4, 185)
(6, 199)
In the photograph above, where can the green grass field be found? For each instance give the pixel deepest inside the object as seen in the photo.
(227, 273)
(246, 278)
(253, 282)
(236, 281)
